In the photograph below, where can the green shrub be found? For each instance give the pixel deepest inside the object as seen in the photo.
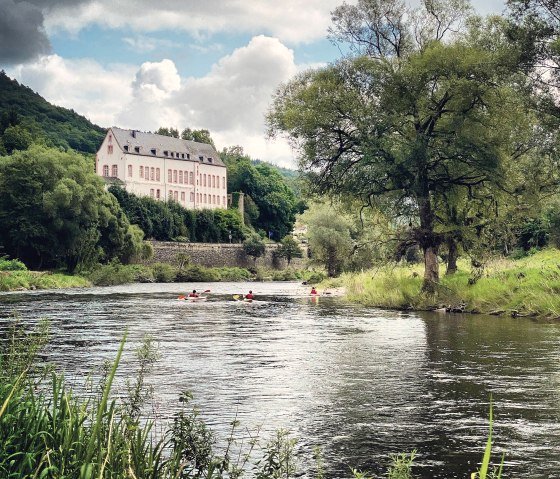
(112, 274)
(11, 264)
(234, 274)
(164, 273)
(196, 273)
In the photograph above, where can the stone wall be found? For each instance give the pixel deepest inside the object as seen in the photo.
(217, 254)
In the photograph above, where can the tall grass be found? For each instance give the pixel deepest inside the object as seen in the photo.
(24, 280)
(529, 286)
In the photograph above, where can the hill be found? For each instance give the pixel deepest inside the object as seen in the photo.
(59, 126)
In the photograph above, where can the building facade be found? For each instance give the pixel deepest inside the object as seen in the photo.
(164, 168)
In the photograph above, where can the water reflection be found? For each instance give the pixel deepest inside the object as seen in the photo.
(361, 383)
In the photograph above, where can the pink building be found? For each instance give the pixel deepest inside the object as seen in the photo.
(165, 168)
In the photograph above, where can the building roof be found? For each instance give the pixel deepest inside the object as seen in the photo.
(160, 146)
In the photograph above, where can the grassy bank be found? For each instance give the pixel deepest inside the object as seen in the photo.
(525, 287)
(25, 280)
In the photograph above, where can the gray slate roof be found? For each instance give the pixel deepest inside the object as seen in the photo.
(149, 141)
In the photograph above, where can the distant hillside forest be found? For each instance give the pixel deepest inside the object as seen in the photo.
(24, 113)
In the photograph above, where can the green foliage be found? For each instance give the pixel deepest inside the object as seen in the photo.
(272, 205)
(169, 221)
(164, 273)
(57, 126)
(172, 132)
(21, 280)
(116, 273)
(200, 136)
(56, 212)
(278, 461)
(198, 274)
(254, 246)
(289, 248)
(16, 138)
(376, 126)
(484, 471)
(11, 264)
(330, 238)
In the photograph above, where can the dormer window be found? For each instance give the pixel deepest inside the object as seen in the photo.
(209, 160)
(137, 149)
(201, 158)
(166, 153)
(153, 150)
(183, 156)
(125, 147)
(188, 156)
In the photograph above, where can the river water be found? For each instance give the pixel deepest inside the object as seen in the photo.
(361, 383)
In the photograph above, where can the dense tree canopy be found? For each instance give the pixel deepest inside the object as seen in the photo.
(57, 126)
(169, 221)
(271, 201)
(54, 212)
(416, 112)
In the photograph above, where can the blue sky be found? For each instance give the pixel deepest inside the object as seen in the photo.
(183, 63)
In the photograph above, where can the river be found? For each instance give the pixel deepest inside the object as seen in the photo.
(361, 383)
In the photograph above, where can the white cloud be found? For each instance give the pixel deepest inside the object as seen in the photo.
(230, 101)
(292, 21)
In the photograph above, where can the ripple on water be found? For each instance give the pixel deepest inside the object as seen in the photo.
(361, 383)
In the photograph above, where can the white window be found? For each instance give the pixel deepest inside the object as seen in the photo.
(169, 176)
(141, 172)
(130, 171)
(115, 171)
(181, 177)
(174, 176)
(182, 196)
(105, 170)
(157, 176)
(152, 173)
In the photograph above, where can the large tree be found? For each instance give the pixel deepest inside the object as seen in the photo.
(54, 211)
(414, 112)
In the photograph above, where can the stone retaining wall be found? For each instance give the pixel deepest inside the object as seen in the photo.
(217, 254)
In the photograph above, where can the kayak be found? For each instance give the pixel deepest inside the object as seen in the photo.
(192, 299)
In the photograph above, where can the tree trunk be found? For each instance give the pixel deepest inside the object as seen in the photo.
(429, 242)
(431, 269)
(453, 254)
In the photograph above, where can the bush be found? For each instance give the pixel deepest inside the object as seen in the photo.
(11, 264)
(314, 277)
(111, 275)
(164, 273)
(198, 274)
(234, 274)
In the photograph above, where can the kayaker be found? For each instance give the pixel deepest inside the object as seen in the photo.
(194, 294)
(250, 295)
(313, 290)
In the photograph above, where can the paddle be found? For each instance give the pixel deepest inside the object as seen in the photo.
(237, 296)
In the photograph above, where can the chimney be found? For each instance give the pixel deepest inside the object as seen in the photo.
(133, 133)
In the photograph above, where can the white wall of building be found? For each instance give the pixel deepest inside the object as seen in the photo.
(191, 183)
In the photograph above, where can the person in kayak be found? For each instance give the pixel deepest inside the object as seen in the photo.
(194, 294)
(250, 295)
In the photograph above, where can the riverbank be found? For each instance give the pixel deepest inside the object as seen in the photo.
(31, 280)
(116, 274)
(525, 287)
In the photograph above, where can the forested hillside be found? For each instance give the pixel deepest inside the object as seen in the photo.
(60, 127)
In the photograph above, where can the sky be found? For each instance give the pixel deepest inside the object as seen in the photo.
(142, 64)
